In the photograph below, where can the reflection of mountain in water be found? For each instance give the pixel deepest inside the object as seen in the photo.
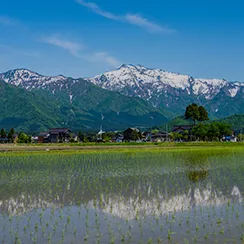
(125, 186)
(128, 207)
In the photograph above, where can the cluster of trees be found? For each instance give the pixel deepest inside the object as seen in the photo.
(202, 131)
(240, 137)
(196, 113)
(23, 138)
(9, 136)
(212, 131)
(185, 136)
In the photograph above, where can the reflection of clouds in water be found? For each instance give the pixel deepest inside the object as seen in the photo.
(129, 208)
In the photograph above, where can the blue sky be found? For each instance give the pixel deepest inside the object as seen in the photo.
(82, 38)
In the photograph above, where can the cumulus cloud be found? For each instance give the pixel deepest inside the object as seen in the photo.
(133, 19)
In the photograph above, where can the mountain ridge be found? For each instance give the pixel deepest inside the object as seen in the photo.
(172, 91)
(76, 103)
(164, 93)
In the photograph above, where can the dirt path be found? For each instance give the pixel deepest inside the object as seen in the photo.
(33, 148)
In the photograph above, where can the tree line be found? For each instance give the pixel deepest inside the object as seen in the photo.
(214, 131)
(202, 131)
(10, 136)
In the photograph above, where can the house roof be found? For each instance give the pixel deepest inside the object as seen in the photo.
(43, 133)
(160, 134)
(132, 129)
(59, 130)
(182, 127)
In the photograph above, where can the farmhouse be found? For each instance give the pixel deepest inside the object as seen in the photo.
(159, 136)
(131, 134)
(55, 135)
(182, 128)
(43, 137)
(59, 135)
(118, 137)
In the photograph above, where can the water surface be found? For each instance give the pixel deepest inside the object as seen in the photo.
(169, 197)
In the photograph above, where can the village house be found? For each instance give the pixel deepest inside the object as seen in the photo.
(131, 134)
(43, 137)
(7, 140)
(59, 135)
(118, 137)
(181, 128)
(55, 135)
(160, 136)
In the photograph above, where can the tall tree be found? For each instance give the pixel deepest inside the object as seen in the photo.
(11, 135)
(203, 114)
(192, 112)
(196, 113)
(3, 133)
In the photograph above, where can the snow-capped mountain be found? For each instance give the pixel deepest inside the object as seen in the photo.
(171, 90)
(146, 83)
(162, 89)
(29, 79)
(76, 103)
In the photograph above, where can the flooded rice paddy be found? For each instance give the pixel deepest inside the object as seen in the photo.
(168, 197)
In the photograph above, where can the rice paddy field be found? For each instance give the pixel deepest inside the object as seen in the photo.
(131, 196)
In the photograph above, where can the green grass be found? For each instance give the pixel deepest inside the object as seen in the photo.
(144, 144)
(92, 148)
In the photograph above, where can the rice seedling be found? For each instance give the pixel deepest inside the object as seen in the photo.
(143, 197)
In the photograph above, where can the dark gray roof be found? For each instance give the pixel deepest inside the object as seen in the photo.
(43, 133)
(59, 130)
(182, 127)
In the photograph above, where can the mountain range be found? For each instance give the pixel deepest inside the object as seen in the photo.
(132, 95)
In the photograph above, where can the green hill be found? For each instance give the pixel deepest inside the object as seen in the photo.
(87, 108)
(236, 121)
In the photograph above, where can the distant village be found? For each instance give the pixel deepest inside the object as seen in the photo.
(179, 133)
(199, 130)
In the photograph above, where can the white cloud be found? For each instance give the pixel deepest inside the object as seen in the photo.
(77, 50)
(96, 9)
(105, 57)
(133, 19)
(73, 47)
(146, 24)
